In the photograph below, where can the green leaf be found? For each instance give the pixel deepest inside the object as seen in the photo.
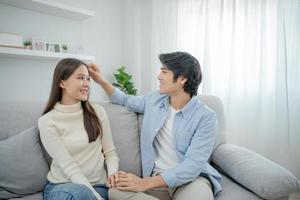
(124, 81)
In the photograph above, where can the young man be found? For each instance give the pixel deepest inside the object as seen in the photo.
(177, 136)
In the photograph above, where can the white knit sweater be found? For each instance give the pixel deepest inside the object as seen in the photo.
(74, 158)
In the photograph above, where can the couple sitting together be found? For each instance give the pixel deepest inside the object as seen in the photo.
(176, 140)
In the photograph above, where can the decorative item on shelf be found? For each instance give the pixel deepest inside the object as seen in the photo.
(64, 48)
(27, 44)
(11, 40)
(124, 82)
(53, 47)
(38, 45)
(80, 50)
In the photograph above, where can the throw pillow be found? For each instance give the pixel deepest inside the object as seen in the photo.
(23, 169)
(255, 172)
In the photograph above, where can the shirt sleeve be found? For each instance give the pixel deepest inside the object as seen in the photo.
(109, 150)
(197, 154)
(134, 103)
(56, 149)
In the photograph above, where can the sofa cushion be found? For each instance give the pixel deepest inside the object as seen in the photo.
(124, 125)
(23, 169)
(36, 196)
(260, 175)
(232, 190)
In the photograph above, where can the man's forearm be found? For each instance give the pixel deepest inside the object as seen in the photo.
(154, 182)
(108, 87)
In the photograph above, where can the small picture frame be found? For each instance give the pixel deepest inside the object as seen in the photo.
(53, 47)
(38, 45)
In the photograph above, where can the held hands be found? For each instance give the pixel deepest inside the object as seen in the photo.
(112, 179)
(126, 182)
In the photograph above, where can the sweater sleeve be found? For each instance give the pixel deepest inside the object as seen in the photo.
(109, 150)
(55, 147)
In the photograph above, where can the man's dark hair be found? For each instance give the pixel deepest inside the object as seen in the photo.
(186, 65)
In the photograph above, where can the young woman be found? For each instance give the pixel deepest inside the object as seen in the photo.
(77, 136)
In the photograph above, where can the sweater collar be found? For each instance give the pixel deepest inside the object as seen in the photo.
(68, 108)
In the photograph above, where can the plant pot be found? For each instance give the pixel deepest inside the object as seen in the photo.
(28, 47)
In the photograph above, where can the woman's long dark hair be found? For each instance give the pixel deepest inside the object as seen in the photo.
(63, 70)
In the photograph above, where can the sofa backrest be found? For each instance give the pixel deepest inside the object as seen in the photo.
(18, 116)
(124, 126)
(216, 105)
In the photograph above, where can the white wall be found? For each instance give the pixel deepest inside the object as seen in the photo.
(137, 42)
(101, 36)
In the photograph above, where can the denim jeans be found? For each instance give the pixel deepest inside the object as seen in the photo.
(71, 191)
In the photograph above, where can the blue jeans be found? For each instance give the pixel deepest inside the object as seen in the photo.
(72, 191)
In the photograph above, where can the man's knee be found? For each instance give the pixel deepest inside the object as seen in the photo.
(197, 189)
(115, 194)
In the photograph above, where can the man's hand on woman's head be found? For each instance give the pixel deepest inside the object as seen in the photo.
(97, 76)
(95, 73)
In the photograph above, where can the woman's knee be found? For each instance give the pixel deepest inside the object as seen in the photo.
(69, 191)
(82, 192)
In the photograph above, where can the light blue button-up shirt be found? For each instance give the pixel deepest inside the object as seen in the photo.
(194, 132)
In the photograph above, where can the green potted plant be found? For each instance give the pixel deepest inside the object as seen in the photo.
(124, 81)
(27, 44)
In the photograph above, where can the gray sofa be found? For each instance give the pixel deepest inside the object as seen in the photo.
(24, 164)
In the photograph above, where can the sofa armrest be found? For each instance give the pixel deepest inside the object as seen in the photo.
(255, 172)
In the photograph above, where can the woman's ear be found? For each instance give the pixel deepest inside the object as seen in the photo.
(62, 84)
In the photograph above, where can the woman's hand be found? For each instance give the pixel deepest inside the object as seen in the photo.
(112, 180)
(95, 73)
